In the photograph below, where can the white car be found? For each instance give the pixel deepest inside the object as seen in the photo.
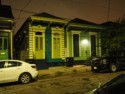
(16, 70)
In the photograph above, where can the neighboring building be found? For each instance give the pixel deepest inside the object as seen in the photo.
(82, 40)
(41, 39)
(6, 32)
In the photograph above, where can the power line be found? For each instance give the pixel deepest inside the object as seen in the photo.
(23, 9)
(26, 4)
(44, 4)
(91, 4)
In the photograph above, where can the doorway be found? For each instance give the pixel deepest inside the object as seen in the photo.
(38, 45)
(4, 54)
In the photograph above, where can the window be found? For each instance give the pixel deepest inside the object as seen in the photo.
(2, 64)
(41, 43)
(38, 33)
(0, 43)
(36, 43)
(13, 64)
(76, 45)
(5, 43)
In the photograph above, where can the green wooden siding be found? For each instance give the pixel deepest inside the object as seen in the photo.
(48, 44)
(84, 49)
(70, 44)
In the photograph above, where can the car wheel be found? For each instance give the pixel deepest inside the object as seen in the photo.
(25, 78)
(113, 67)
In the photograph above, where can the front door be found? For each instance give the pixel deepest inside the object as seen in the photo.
(38, 45)
(4, 54)
(56, 45)
(76, 45)
(93, 45)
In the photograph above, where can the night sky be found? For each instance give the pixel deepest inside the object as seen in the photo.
(97, 11)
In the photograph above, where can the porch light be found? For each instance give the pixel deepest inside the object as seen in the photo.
(85, 42)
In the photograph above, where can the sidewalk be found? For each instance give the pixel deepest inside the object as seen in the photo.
(63, 69)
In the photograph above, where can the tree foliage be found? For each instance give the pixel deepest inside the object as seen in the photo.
(113, 37)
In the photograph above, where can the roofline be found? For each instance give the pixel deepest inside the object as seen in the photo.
(5, 30)
(6, 19)
(86, 26)
(48, 19)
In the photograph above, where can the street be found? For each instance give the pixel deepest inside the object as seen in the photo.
(73, 82)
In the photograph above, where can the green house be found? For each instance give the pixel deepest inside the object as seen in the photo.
(6, 32)
(41, 40)
(82, 40)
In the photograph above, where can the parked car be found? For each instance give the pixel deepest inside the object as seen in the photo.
(114, 86)
(114, 61)
(16, 70)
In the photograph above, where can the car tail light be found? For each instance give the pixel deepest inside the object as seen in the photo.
(33, 66)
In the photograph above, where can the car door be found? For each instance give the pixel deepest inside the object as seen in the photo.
(121, 59)
(13, 70)
(2, 72)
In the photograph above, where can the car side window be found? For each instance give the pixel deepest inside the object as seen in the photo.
(13, 64)
(2, 64)
(122, 54)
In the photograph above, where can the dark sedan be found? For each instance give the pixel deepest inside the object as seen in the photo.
(112, 62)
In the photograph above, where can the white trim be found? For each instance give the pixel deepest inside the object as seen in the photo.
(32, 30)
(76, 32)
(67, 49)
(5, 30)
(48, 19)
(11, 46)
(92, 33)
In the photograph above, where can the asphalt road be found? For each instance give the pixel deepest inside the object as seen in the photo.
(73, 82)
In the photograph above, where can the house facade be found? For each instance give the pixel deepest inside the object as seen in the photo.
(6, 32)
(48, 40)
(41, 39)
(82, 40)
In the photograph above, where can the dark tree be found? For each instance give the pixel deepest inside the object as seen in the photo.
(113, 37)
